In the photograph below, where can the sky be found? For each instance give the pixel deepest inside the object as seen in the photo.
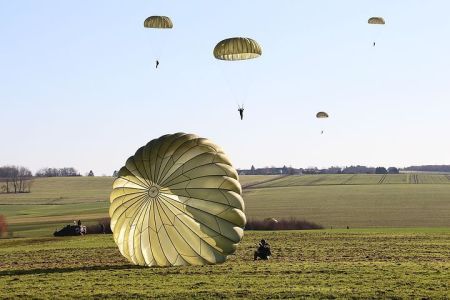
(78, 85)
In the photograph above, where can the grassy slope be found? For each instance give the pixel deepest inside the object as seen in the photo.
(321, 264)
(63, 191)
(359, 179)
(254, 179)
(331, 200)
(355, 206)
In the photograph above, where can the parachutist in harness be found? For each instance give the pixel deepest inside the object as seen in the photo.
(263, 251)
(376, 21)
(241, 112)
(157, 64)
(322, 115)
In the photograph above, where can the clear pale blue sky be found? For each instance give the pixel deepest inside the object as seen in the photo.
(78, 85)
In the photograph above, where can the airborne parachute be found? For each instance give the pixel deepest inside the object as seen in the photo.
(321, 115)
(376, 21)
(237, 48)
(158, 22)
(177, 201)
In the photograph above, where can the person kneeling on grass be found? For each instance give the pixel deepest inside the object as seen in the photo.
(263, 251)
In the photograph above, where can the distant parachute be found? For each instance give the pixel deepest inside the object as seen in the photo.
(237, 48)
(321, 115)
(176, 202)
(158, 22)
(376, 21)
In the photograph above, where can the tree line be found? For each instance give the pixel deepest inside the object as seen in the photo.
(19, 179)
(332, 170)
(57, 172)
(15, 179)
(429, 168)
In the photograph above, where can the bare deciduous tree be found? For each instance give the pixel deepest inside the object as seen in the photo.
(15, 179)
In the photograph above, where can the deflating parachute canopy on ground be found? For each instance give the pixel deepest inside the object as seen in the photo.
(321, 115)
(177, 201)
(237, 48)
(158, 22)
(376, 21)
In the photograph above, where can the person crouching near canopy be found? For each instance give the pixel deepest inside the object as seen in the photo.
(263, 251)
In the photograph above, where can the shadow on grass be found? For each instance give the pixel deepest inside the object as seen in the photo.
(66, 270)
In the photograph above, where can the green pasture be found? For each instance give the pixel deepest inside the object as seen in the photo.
(355, 179)
(250, 180)
(396, 205)
(329, 264)
(362, 201)
(63, 190)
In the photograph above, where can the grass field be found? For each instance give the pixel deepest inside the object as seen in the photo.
(355, 179)
(404, 200)
(63, 190)
(355, 206)
(357, 264)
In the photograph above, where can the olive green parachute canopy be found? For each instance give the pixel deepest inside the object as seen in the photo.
(159, 22)
(237, 48)
(321, 115)
(177, 201)
(376, 21)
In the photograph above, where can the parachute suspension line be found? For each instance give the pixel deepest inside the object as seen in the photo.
(158, 44)
(231, 90)
(248, 86)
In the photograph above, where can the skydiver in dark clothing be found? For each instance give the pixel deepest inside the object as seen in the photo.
(263, 251)
(157, 64)
(374, 44)
(241, 112)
